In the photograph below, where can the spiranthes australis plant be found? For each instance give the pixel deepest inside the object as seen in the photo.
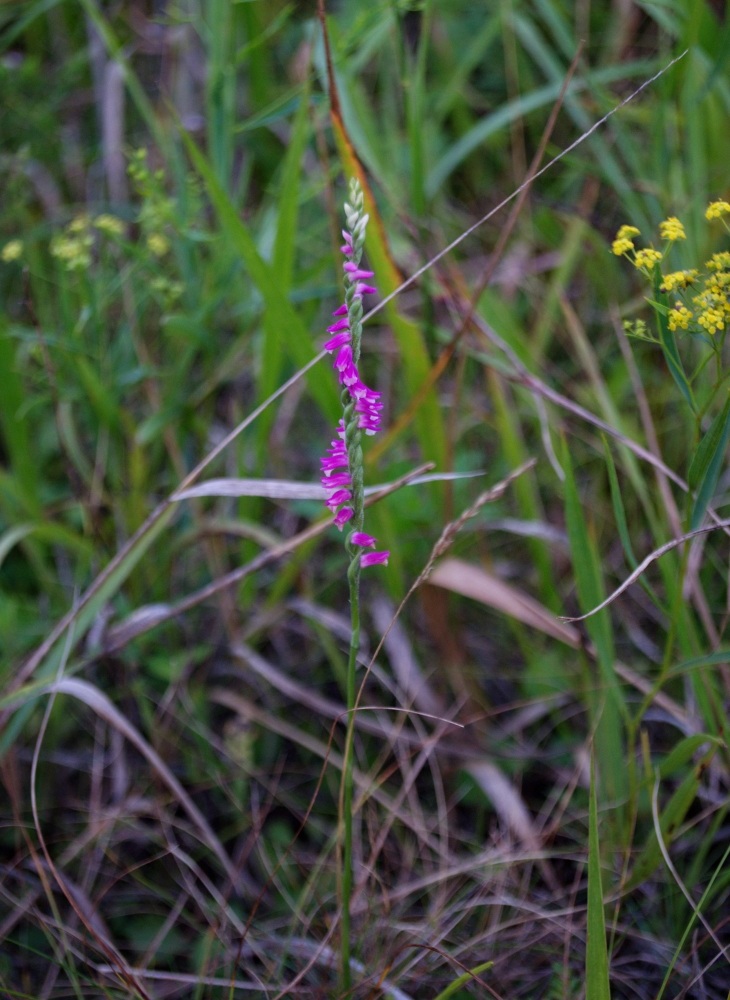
(342, 477)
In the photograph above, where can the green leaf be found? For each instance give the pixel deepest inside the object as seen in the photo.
(606, 702)
(684, 752)
(708, 463)
(463, 980)
(273, 352)
(597, 982)
(14, 430)
(52, 534)
(669, 344)
(669, 821)
(619, 511)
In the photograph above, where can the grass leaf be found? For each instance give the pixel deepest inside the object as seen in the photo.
(707, 464)
(597, 981)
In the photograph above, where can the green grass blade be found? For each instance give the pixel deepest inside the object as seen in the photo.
(516, 109)
(220, 88)
(597, 982)
(619, 511)
(274, 347)
(463, 980)
(51, 534)
(508, 427)
(670, 820)
(719, 869)
(708, 463)
(136, 91)
(18, 27)
(606, 703)
(13, 428)
(46, 660)
(295, 337)
(669, 345)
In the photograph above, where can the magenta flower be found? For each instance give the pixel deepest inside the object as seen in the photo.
(368, 407)
(339, 497)
(337, 341)
(374, 559)
(353, 272)
(337, 479)
(360, 538)
(336, 457)
(343, 516)
(341, 467)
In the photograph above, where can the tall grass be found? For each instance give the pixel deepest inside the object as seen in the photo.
(539, 806)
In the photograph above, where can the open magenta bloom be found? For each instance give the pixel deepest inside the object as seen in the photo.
(342, 474)
(375, 559)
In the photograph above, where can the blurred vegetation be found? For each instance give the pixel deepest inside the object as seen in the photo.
(172, 670)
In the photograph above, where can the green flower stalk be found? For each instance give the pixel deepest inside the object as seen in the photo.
(342, 478)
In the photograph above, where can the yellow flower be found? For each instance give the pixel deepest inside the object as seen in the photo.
(679, 317)
(158, 244)
(712, 313)
(109, 224)
(12, 251)
(711, 319)
(72, 252)
(718, 283)
(719, 261)
(78, 225)
(647, 258)
(716, 210)
(679, 279)
(621, 246)
(672, 229)
(623, 242)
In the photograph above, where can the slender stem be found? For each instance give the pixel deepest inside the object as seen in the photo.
(346, 797)
(353, 577)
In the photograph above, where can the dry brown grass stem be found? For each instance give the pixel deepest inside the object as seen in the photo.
(673, 543)
(144, 619)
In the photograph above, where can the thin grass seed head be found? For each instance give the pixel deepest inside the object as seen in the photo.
(342, 466)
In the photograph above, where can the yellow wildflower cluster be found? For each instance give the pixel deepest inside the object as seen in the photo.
(72, 247)
(169, 291)
(646, 259)
(12, 251)
(672, 229)
(158, 244)
(158, 213)
(679, 317)
(109, 224)
(679, 279)
(623, 242)
(709, 310)
(716, 210)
